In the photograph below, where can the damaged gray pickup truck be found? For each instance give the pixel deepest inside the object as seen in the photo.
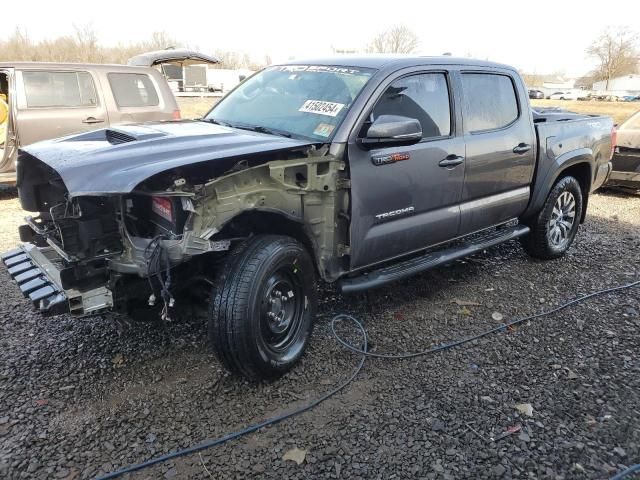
(355, 170)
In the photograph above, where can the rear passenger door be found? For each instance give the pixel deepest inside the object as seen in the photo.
(500, 149)
(406, 198)
(53, 104)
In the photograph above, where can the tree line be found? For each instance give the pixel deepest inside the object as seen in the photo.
(83, 46)
(616, 50)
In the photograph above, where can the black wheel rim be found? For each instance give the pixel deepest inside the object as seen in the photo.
(282, 310)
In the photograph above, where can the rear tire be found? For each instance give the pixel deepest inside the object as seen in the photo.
(554, 228)
(263, 306)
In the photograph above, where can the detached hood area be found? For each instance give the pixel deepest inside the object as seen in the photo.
(116, 160)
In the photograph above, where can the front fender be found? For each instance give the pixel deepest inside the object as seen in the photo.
(310, 192)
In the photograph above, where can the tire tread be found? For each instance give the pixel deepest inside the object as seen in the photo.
(230, 304)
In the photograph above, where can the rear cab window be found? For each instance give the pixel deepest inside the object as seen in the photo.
(490, 101)
(133, 90)
(59, 89)
(422, 96)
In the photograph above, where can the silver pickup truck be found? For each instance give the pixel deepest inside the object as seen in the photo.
(356, 170)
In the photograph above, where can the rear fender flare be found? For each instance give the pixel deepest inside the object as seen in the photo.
(541, 188)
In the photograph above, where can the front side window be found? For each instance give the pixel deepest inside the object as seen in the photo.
(424, 97)
(59, 89)
(490, 101)
(133, 90)
(305, 101)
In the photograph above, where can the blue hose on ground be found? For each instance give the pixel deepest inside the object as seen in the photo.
(362, 351)
(625, 473)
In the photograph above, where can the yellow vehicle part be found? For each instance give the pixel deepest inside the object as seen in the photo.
(4, 118)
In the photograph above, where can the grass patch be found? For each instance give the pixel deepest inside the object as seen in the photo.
(620, 111)
(194, 107)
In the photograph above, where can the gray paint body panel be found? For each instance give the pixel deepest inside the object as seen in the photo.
(89, 165)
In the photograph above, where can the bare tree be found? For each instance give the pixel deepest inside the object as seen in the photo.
(160, 41)
(86, 44)
(81, 47)
(617, 53)
(18, 44)
(229, 59)
(397, 39)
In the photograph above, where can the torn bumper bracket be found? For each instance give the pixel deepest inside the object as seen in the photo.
(37, 271)
(34, 282)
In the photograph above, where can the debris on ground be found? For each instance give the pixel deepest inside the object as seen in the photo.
(525, 409)
(295, 455)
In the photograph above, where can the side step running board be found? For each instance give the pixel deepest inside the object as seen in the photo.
(413, 266)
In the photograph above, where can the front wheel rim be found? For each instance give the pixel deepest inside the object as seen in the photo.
(563, 217)
(282, 310)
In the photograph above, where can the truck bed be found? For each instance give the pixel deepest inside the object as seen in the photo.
(565, 138)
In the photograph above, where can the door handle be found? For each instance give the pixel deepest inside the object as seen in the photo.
(92, 120)
(451, 161)
(522, 148)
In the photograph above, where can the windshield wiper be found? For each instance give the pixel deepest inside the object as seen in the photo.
(213, 120)
(261, 129)
(252, 128)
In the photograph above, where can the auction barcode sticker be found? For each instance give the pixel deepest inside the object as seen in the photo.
(322, 108)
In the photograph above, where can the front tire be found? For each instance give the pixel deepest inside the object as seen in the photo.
(263, 306)
(554, 228)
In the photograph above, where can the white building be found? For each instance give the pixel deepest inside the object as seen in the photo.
(626, 83)
(560, 85)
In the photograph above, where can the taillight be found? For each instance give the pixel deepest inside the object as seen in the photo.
(176, 115)
(614, 140)
(163, 207)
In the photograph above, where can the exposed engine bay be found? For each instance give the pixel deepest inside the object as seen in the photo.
(130, 247)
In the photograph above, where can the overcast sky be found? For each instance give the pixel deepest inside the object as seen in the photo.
(535, 36)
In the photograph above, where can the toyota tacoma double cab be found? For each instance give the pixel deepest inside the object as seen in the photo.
(354, 170)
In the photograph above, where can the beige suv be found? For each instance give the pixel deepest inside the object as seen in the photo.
(40, 101)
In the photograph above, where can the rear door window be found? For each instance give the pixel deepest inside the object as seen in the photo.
(133, 90)
(59, 89)
(424, 97)
(490, 101)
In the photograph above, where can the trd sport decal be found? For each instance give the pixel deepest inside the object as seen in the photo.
(389, 158)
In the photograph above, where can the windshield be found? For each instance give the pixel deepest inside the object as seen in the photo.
(305, 101)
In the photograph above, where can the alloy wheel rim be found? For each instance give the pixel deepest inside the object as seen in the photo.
(562, 219)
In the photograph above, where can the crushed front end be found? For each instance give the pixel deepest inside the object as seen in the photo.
(129, 251)
(90, 254)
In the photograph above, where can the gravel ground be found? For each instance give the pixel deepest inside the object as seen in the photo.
(83, 397)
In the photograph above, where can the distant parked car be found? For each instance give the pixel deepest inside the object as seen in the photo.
(536, 94)
(626, 157)
(50, 100)
(629, 98)
(568, 95)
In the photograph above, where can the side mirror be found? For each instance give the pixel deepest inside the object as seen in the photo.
(393, 130)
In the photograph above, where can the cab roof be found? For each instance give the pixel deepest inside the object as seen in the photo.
(67, 65)
(380, 61)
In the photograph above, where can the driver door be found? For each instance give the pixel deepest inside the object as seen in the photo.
(406, 198)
